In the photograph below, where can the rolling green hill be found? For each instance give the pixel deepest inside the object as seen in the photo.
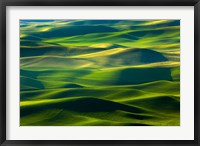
(99, 72)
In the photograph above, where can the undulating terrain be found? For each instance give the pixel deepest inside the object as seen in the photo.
(99, 72)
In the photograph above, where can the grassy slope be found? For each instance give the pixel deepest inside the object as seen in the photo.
(100, 73)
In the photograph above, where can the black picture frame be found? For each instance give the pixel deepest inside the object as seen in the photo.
(5, 3)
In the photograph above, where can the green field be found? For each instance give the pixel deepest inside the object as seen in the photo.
(99, 72)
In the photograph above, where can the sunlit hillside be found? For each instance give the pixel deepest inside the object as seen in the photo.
(99, 73)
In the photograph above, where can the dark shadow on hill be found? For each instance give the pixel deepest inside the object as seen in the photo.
(74, 30)
(143, 75)
(72, 86)
(34, 51)
(160, 103)
(136, 57)
(29, 83)
(81, 105)
(143, 33)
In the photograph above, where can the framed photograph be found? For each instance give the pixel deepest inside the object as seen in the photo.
(83, 72)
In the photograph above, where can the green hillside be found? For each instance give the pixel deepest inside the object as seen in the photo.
(99, 72)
